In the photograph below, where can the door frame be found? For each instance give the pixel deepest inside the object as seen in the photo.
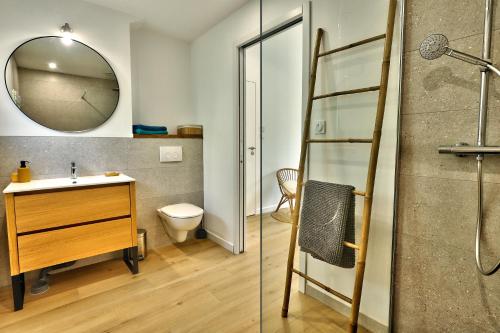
(302, 15)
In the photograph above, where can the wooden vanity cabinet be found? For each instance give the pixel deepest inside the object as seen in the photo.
(53, 226)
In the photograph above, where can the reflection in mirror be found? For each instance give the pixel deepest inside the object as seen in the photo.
(63, 86)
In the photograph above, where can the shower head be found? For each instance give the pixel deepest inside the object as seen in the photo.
(435, 45)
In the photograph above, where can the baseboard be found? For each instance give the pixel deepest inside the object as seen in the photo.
(221, 241)
(363, 320)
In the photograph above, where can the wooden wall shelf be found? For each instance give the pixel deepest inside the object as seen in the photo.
(166, 136)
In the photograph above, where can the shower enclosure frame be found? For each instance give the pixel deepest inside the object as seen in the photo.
(402, 21)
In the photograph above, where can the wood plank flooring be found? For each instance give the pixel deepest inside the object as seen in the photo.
(195, 286)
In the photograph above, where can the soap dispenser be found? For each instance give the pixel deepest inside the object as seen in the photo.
(24, 172)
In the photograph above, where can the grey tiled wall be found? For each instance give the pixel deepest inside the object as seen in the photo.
(158, 184)
(437, 287)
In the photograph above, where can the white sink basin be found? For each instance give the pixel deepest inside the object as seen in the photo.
(55, 183)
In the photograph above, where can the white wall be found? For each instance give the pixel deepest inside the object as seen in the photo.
(214, 62)
(161, 80)
(102, 29)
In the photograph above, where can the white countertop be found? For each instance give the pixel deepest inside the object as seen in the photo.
(56, 183)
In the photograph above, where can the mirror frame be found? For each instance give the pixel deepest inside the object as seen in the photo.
(75, 41)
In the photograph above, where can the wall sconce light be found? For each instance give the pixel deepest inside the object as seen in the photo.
(67, 33)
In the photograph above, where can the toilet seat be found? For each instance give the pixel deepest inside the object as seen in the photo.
(182, 211)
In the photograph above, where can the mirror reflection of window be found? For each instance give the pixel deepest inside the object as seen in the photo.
(63, 86)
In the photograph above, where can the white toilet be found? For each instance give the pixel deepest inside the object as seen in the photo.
(179, 219)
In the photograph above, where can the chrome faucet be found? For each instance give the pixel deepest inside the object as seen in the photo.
(73, 170)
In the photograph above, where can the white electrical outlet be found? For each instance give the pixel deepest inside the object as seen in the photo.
(171, 154)
(320, 127)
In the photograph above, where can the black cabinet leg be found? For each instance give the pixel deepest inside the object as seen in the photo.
(130, 258)
(18, 289)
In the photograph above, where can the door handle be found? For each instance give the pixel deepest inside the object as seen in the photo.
(252, 150)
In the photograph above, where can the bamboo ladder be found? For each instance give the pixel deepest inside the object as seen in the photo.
(372, 166)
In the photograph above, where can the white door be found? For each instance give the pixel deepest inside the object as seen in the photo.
(251, 147)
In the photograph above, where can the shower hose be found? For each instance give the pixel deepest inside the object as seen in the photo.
(479, 225)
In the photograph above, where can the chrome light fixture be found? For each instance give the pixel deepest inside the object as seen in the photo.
(67, 33)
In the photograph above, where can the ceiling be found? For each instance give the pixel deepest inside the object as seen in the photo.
(182, 19)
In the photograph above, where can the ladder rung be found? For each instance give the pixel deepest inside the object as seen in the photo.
(322, 286)
(345, 140)
(361, 194)
(350, 46)
(351, 245)
(348, 92)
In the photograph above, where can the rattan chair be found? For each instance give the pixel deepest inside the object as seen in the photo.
(287, 182)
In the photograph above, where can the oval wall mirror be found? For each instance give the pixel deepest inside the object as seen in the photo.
(63, 85)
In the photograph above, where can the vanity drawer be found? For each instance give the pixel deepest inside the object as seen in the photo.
(58, 246)
(55, 209)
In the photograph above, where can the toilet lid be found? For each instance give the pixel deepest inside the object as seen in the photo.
(182, 210)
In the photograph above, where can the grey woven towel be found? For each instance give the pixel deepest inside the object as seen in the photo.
(327, 220)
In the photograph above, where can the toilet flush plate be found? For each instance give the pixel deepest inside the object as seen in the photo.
(171, 154)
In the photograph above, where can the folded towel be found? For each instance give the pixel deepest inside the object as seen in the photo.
(327, 220)
(148, 128)
(141, 131)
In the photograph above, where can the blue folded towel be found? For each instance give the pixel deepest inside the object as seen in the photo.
(141, 131)
(149, 128)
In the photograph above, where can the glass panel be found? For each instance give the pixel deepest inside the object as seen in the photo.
(281, 136)
(311, 308)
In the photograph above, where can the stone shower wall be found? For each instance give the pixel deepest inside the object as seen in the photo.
(437, 286)
(158, 184)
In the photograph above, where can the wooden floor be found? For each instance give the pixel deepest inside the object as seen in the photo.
(196, 286)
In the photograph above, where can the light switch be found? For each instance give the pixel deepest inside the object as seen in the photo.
(171, 154)
(320, 127)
